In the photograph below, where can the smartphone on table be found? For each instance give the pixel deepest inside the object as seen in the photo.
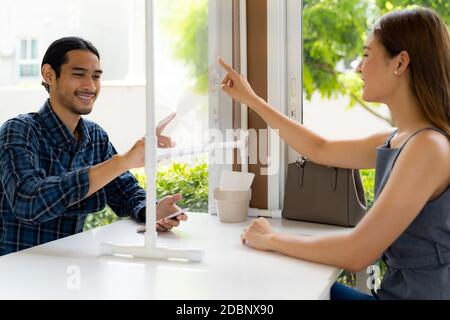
(170, 216)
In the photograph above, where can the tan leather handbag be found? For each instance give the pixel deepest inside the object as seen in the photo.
(321, 194)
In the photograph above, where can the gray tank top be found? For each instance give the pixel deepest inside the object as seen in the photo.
(419, 260)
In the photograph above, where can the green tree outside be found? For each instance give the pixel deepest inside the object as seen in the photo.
(186, 24)
(333, 36)
(334, 33)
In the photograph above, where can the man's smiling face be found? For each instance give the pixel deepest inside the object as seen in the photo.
(79, 85)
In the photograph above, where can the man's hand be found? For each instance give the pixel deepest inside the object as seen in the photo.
(164, 141)
(135, 157)
(165, 207)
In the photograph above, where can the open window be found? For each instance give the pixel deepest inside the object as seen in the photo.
(267, 50)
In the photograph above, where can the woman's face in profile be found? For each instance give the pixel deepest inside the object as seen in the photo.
(377, 72)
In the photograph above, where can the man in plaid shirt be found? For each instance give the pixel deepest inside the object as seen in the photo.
(56, 167)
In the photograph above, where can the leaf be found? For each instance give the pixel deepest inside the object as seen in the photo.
(190, 181)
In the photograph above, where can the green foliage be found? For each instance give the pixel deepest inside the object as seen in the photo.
(368, 179)
(440, 6)
(190, 181)
(333, 31)
(347, 278)
(186, 24)
(101, 218)
(333, 35)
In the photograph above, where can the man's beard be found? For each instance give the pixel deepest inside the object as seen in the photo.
(72, 107)
(82, 112)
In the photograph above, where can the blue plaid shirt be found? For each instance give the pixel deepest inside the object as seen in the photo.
(44, 180)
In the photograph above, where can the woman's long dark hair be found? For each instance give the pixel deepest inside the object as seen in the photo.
(424, 35)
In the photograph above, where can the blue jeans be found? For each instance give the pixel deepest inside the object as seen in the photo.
(340, 292)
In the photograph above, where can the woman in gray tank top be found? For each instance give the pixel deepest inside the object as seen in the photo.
(419, 260)
(406, 65)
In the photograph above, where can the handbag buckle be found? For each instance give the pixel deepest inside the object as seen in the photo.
(301, 161)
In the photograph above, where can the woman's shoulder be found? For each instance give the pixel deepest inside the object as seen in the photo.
(430, 144)
(429, 151)
(432, 140)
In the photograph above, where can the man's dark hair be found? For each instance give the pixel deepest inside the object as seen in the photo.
(56, 54)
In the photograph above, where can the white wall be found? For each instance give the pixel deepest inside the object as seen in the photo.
(330, 118)
(48, 20)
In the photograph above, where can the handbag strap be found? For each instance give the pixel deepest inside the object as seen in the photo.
(302, 161)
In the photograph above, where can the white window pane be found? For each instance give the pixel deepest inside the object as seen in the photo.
(23, 49)
(181, 68)
(29, 70)
(34, 52)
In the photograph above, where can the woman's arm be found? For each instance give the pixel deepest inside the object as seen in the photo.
(336, 250)
(356, 154)
(421, 172)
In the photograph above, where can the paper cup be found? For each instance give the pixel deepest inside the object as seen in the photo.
(232, 206)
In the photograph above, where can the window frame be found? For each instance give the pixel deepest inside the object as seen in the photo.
(284, 47)
(284, 62)
(29, 60)
(220, 43)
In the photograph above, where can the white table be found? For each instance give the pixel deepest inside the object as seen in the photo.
(72, 268)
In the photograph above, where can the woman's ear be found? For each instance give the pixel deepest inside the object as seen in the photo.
(48, 74)
(402, 62)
